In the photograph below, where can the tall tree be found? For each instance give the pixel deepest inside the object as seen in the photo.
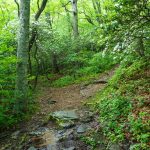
(75, 17)
(22, 55)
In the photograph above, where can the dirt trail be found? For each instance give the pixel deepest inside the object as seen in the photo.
(69, 97)
(56, 99)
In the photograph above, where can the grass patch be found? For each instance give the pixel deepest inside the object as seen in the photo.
(63, 81)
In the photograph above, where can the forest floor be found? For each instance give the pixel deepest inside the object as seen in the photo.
(62, 119)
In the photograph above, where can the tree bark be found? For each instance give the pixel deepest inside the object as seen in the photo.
(55, 67)
(17, 7)
(22, 56)
(140, 46)
(75, 18)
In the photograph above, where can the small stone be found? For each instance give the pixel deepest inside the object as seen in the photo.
(81, 128)
(67, 125)
(70, 148)
(15, 135)
(65, 134)
(51, 147)
(32, 148)
(65, 115)
(40, 131)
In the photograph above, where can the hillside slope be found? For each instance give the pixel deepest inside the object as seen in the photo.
(124, 105)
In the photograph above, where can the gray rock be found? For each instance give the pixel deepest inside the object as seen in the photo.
(51, 147)
(67, 125)
(15, 135)
(32, 148)
(70, 148)
(115, 147)
(82, 128)
(64, 134)
(40, 131)
(65, 115)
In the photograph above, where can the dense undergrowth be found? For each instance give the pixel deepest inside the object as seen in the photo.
(109, 32)
(124, 105)
(89, 69)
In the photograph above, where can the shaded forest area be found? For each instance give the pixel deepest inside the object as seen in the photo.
(49, 43)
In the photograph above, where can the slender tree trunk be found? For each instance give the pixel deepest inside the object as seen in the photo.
(68, 22)
(22, 56)
(34, 33)
(75, 18)
(49, 19)
(55, 63)
(140, 46)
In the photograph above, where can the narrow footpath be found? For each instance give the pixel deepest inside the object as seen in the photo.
(62, 120)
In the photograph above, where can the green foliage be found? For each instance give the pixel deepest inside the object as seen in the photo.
(8, 45)
(99, 62)
(90, 141)
(115, 109)
(140, 128)
(7, 79)
(92, 65)
(121, 35)
(122, 105)
(93, 138)
(127, 70)
(66, 80)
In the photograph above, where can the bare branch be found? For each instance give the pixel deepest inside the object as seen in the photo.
(38, 5)
(40, 10)
(34, 31)
(17, 7)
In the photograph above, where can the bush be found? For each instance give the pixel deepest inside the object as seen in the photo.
(113, 113)
(66, 80)
(122, 105)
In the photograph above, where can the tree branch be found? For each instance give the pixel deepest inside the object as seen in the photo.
(34, 31)
(40, 10)
(17, 7)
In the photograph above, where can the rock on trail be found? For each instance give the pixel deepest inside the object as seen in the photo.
(60, 137)
(61, 121)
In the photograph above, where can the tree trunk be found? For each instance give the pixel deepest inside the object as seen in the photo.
(34, 33)
(75, 18)
(55, 67)
(140, 46)
(22, 56)
(49, 19)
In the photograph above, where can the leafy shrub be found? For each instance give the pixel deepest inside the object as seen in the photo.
(7, 79)
(101, 62)
(113, 113)
(123, 111)
(139, 127)
(127, 70)
(66, 80)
